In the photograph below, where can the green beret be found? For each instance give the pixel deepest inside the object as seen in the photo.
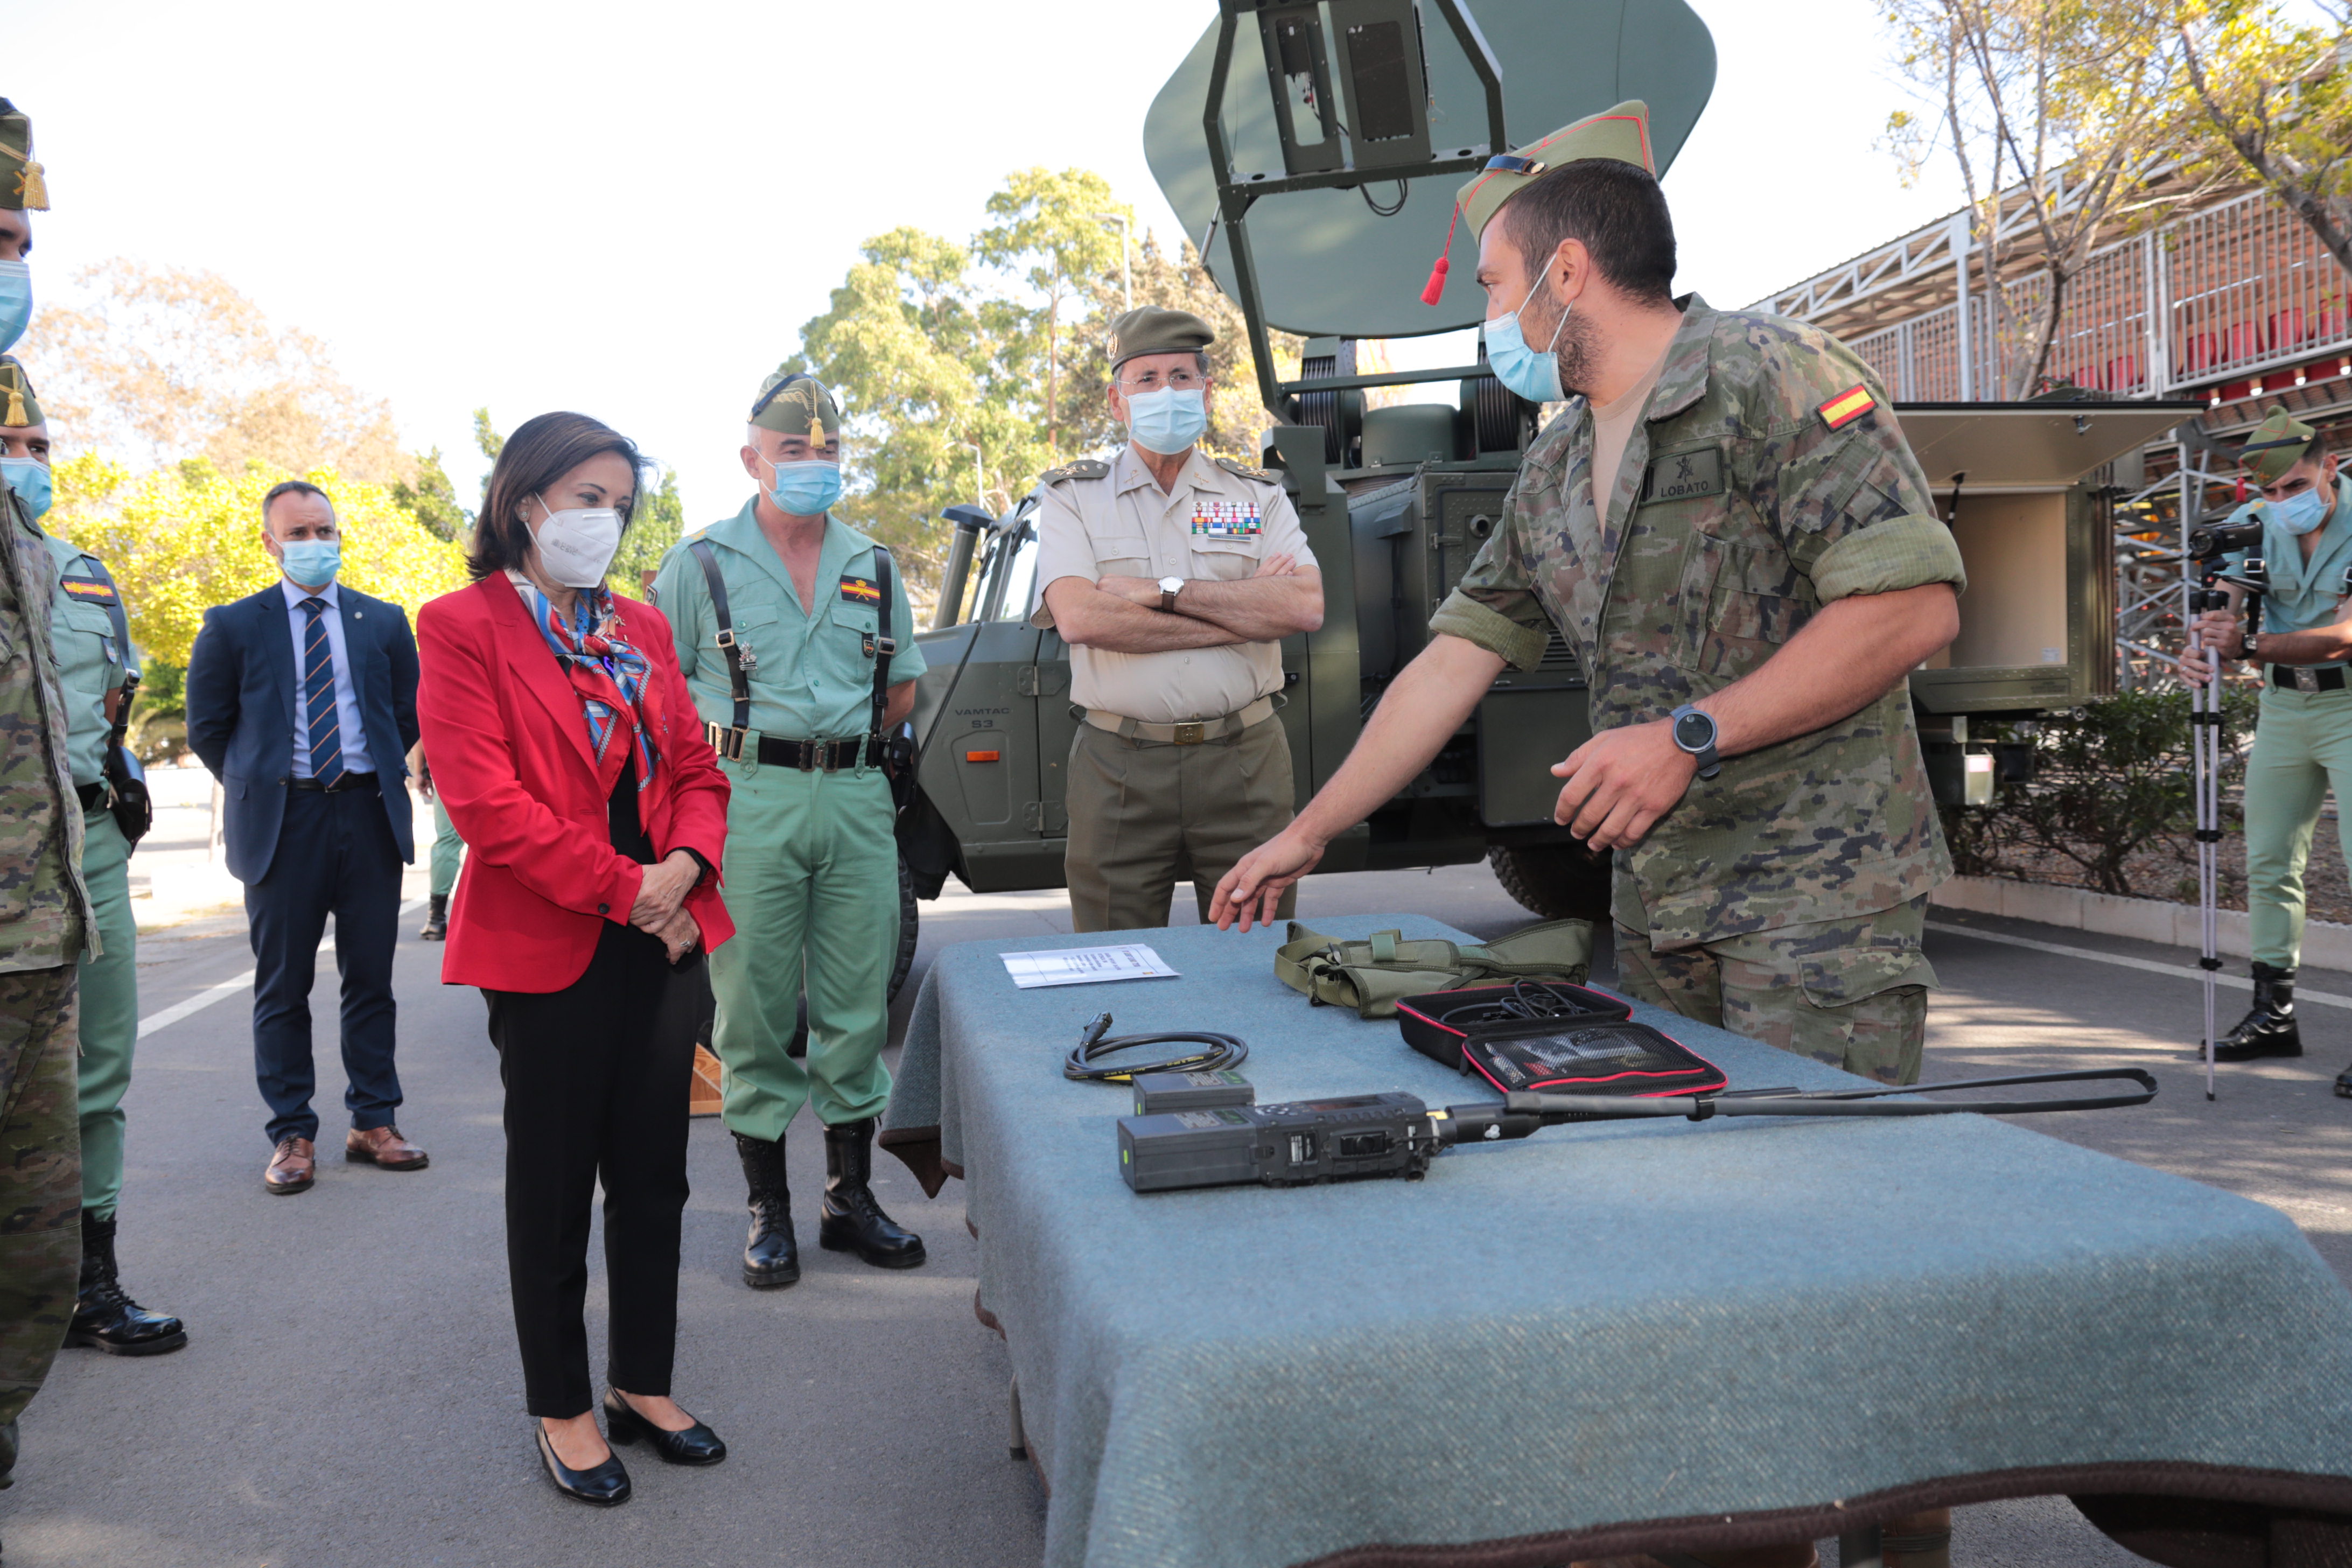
(794, 402)
(18, 406)
(1622, 133)
(1157, 329)
(2277, 444)
(21, 185)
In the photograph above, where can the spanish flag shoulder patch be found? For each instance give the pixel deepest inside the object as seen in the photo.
(88, 588)
(861, 590)
(1847, 406)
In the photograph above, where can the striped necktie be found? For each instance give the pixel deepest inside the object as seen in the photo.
(318, 697)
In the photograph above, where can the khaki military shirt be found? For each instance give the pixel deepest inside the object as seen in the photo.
(1744, 503)
(811, 670)
(1211, 523)
(44, 918)
(92, 662)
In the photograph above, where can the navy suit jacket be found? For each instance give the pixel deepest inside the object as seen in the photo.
(244, 712)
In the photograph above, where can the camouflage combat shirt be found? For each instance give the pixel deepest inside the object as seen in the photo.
(1751, 494)
(43, 908)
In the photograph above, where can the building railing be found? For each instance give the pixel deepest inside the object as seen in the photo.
(2223, 294)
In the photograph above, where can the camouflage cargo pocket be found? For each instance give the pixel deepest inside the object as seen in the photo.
(1844, 976)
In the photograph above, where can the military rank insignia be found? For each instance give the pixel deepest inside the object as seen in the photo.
(861, 590)
(89, 590)
(1226, 519)
(1847, 406)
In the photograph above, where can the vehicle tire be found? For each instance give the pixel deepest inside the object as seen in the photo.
(1558, 882)
(910, 917)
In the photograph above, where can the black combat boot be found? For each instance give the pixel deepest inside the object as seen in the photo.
(436, 918)
(853, 1221)
(770, 1260)
(105, 1317)
(2269, 1030)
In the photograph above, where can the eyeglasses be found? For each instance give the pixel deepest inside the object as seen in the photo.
(1175, 381)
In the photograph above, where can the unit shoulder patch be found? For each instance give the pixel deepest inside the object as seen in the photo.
(860, 590)
(1084, 468)
(1242, 470)
(89, 588)
(1847, 406)
(1683, 476)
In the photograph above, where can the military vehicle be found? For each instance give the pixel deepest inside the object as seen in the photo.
(1314, 147)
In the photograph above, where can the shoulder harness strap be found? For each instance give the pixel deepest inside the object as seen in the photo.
(728, 742)
(885, 645)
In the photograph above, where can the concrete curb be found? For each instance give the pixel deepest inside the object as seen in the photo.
(2324, 944)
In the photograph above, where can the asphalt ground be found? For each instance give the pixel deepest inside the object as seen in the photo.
(350, 1394)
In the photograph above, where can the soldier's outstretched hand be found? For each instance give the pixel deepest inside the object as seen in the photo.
(1620, 782)
(1253, 888)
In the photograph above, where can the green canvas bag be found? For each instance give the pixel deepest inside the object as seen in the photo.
(1373, 974)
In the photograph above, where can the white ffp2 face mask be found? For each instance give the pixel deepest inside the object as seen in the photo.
(576, 544)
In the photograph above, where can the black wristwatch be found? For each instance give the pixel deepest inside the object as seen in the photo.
(1695, 732)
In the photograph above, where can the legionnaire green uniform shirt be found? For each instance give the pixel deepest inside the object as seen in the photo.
(812, 677)
(2304, 594)
(44, 915)
(91, 664)
(1766, 479)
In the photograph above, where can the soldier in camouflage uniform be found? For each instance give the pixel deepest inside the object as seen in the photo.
(44, 914)
(97, 670)
(1761, 568)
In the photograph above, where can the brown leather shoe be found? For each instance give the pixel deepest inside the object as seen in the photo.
(293, 1168)
(386, 1149)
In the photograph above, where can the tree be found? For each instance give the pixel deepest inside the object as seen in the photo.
(182, 539)
(656, 523)
(1049, 232)
(156, 363)
(2056, 112)
(487, 437)
(2273, 100)
(432, 500)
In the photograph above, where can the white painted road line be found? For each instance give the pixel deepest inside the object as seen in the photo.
(2182, 972)
(230, 987)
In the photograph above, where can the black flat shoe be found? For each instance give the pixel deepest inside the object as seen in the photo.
(605, 1485)
(697, 1445)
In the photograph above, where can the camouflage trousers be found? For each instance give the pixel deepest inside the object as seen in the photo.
(40, 1175)
(1853, 993)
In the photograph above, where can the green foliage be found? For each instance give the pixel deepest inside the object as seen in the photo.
(655, 525)
(2113, 778)
(487, 437)
(432, 500)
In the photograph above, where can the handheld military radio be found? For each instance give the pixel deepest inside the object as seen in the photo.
(1354, 1137)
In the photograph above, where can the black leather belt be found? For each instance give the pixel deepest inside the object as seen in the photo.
(832, 756)
(343, 783)
(2307, 677)
(92, 796)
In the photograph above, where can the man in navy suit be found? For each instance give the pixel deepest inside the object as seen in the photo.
(302, 701)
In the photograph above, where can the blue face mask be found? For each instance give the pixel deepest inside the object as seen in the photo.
(30, 480)
(15, 302)
(312, 562)
(1167, 421)
(2299, 514)
(1534, 376)
(805, 490)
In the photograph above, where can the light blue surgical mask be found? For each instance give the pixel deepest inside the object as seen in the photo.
(2299, 514)
(1167, 420)
(1534, 376)
(312, 562)
(15, 301)
(807, 488)
(30, 477)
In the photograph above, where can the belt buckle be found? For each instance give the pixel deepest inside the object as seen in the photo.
(1189, 734)
(2306, 678)
(725, 739)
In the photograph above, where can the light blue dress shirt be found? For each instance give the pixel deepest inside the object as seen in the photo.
(347, 698)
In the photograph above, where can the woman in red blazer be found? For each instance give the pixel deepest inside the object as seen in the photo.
(571, 758)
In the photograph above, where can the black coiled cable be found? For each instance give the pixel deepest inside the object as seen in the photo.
(1223, 1051)
(1529, 1000)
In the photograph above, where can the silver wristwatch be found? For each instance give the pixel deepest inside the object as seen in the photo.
(1168, 589)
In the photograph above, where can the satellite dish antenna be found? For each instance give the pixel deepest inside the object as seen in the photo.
(1312, 148)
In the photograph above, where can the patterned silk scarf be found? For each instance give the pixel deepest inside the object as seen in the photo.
(608, 672)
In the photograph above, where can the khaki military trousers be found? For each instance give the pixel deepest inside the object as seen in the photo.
(1851, 993)
(2303, 746)
(109, 1008)
(40, 1176)
(812, 884)
(1145, 815)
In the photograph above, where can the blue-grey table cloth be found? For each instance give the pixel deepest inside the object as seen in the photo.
(1601, 1339)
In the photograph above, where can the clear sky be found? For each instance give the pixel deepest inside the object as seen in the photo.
(629, 210)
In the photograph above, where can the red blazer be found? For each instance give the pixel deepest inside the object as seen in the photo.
(508, 743)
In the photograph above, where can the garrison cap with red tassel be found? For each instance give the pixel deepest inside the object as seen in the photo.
(1621, 133)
